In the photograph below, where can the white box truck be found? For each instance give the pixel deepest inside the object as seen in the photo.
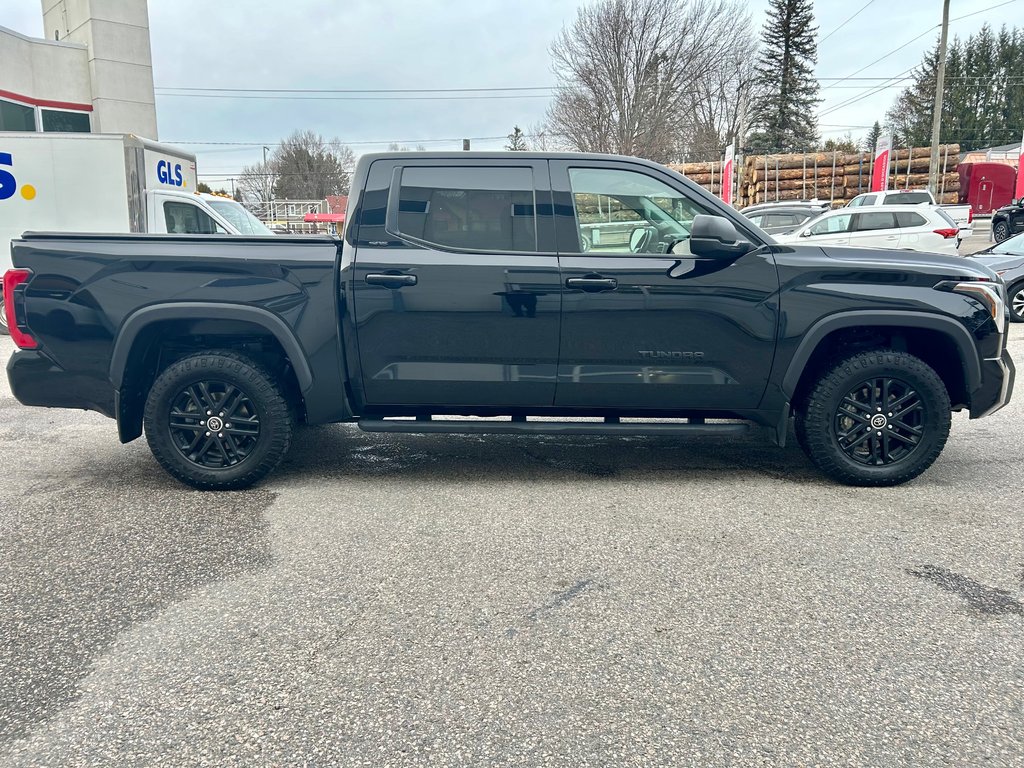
(94, 182)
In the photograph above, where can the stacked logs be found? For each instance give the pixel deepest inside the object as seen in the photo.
(834, 176)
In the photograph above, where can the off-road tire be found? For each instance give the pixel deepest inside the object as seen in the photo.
(865, 376)
(1000, 231)
(265, 407)
(1015, 301)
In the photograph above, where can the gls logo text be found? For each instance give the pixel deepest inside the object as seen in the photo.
(169, 174)
(9, 184)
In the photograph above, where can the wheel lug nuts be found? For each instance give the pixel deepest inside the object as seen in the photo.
(209, 413)
(227, 426)
(221, 435)
(207, 434)
(879, 434)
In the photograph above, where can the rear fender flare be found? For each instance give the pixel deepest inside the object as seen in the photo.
(195, 310)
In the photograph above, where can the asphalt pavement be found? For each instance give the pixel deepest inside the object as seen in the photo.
(508, 601)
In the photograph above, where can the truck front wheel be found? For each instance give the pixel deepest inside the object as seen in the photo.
(1000, 231)
(217, 421)
(875, 419)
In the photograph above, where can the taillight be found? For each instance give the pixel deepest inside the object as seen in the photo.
(947, 233)
(12, 279)
(970, 215)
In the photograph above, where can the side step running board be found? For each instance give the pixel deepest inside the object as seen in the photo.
(548, 427)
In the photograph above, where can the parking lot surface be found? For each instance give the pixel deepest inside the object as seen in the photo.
(465, 600)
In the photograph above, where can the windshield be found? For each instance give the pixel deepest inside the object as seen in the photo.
(239, 217)
(1012, 247)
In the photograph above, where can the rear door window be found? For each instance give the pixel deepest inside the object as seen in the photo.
(866, 222)
(468, 208)
(908, 198)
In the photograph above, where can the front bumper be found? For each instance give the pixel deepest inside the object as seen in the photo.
(997, 375)
(36, 379)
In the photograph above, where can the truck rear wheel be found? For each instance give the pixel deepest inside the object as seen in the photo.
(875, 419)
(217, 421)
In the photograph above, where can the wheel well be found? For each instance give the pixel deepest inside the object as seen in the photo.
(933, 347)
(161, 343)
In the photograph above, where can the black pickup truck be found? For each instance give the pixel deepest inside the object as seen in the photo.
(530, 287)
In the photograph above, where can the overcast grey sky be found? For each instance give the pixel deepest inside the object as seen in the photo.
(390, 44)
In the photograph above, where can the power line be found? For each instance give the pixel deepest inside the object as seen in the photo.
(854, 99)
(826, 37)
(306, 97)
(904, 45)
(358, 90)
(348, 143)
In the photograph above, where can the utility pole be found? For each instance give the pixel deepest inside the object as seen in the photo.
(940, 79)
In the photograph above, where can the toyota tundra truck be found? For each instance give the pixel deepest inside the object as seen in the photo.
(464, 287)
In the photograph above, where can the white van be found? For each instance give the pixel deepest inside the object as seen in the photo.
(94, 182)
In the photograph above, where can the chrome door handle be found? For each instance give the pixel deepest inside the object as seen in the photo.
(390, 281)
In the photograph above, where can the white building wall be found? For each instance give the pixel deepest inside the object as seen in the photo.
(44, 69)
(120, 63)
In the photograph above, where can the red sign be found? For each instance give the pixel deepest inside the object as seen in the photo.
(880, 172)
(1018, 191)
(730, 161)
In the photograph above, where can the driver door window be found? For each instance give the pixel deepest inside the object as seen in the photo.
(621, 212)
(188, 219)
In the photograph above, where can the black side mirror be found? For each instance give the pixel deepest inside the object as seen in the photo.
(715, 237)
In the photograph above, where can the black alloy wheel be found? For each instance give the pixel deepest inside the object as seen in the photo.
(1000, 231)
(218, 420)
(1016, 301)
(214, 424)
(875, 418)
(880, 421)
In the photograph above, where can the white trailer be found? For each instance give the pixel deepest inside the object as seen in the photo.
(88, 182)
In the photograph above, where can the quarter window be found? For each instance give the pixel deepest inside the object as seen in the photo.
(906, 219)
(478, 209)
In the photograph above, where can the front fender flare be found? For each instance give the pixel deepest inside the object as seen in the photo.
(949, 327)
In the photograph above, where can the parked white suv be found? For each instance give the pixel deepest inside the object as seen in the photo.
(908, 227)
(962, 215)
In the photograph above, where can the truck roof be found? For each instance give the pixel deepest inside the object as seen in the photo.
(506, 155)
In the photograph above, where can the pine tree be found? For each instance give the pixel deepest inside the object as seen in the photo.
(517, 140)
(983, 95)
(871, 140)
(786, 78)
